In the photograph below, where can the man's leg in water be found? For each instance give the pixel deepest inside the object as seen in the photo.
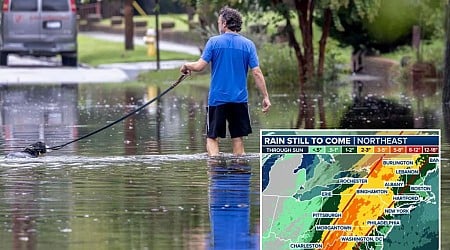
(238, 146)
(212, 146)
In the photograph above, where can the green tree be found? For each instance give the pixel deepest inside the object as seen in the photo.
(310, 71)
(389, 28)
(298, 17)
(207, 11)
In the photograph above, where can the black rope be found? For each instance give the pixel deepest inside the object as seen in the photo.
(180, 79)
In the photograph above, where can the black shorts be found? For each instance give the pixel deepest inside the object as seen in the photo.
(237, 116)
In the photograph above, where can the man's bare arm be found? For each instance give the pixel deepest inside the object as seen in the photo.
(261, 85)
(197, 66)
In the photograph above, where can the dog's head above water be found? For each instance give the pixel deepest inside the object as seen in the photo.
(36, 149)
(31, 151)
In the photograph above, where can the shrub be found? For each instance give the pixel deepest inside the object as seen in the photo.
(278, 64)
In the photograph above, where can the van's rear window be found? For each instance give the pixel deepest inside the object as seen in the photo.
(55, 5)
(24, 5)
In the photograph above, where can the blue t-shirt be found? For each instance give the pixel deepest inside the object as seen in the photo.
(230, 55)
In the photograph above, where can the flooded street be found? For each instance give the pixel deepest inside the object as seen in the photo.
(125, 203)
(146, 182)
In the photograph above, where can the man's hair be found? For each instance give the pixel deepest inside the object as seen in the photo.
(232, 18)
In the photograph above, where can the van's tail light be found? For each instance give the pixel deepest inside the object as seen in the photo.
(5, 5)
(73, 6)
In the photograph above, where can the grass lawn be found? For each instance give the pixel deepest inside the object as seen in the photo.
(180, 20)
(94, 51)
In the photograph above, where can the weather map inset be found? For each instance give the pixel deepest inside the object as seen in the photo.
(350, 189)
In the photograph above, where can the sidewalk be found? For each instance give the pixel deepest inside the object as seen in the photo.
(133, 69)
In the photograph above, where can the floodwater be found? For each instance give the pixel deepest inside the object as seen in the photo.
(146, 183)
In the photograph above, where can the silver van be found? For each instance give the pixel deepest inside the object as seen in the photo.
(39, 28)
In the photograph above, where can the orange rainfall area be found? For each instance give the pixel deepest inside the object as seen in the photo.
(357, 209)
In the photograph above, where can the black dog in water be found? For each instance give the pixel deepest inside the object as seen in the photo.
(31, 151)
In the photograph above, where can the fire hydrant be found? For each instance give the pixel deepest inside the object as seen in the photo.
(149, 39)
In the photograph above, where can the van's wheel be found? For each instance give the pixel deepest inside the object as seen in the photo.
(3, 59)
(70, 60)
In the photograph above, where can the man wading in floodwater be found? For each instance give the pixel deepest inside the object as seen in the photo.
(230, 55)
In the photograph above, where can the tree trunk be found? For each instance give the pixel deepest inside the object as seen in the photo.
(305, 10)
(129, 26)
(446, 114)
(446, 80)
(304, 55)
(321, 64)
(323, 42)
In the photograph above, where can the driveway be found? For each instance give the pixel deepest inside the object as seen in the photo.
(27, 70)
